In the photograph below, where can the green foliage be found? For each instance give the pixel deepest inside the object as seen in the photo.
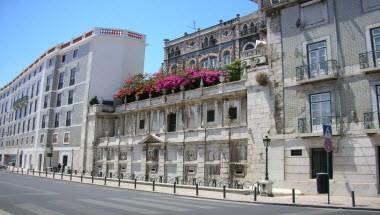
(234, 70)
(94, 101)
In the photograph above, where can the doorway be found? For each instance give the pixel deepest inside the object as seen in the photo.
(64, 162)
(39, 162)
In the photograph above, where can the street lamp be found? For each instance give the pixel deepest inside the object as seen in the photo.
(266, 142)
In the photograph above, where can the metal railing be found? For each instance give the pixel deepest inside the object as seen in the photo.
(315, 124)
(370, 120)
(369, 59)
(316, 70)
(271, 3)
(254, 52)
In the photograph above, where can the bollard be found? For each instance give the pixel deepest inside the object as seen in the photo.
(33, 171)
(53, 175)
(196, 189)
(92, 178)
(39, 173)
(105, 180)
(71, 175)
(17, 170)
(135, 184)
(27, 171)
(293, 196)
(119, 181)
(154, 181)
(224, 191)
(46, 173)
(62, 175)
(353, 198)
(174, 187)
(22, 171)
(81, 178)
(255, 194)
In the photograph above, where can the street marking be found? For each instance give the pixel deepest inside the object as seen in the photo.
(3, 212)
(313, 212)
(118, 206)
(27, 194)
(35, 209)
(151, 205)
(177, 203)
(80, 208)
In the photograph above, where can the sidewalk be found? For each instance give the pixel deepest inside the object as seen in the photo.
(364, 203)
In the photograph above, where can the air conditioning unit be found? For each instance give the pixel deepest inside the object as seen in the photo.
(153, 170)
(260, 60)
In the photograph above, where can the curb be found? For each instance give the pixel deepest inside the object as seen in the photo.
(216, 199)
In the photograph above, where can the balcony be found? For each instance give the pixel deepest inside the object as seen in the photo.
(314, 126)
(371, 122)
(321, 71)
(274, 4)
(370, 62)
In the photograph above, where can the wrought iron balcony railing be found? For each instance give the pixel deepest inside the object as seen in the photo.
(315, 124)
(370, 120)
(369, 60)
(272, 3)
(317, 70)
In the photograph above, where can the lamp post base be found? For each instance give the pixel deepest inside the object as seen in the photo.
(265, 187)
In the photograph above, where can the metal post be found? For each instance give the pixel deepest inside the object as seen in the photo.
(255, 194)
(353, 198)
(46, 173)
(135, 183)
(105, 180)
(33, 171)
(22, 171)
(293, 196)
(196, 189)
(224, 191)
(53, 175)
(62, 175)
(92, 178)
(154, 181)
(81, 178)
(328, 178)
(27, 171)
(39, 173)
(71, 175)
(174, 187)
(17, 170)
(119, 181)
(266, 163)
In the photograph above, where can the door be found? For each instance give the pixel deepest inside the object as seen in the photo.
(317, 53)
(39, 162)
(64, 160)
(376, 45)
(320, 110)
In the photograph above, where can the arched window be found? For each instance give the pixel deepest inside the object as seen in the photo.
(173, 69)
(213, 62)
(245, 29)
(248, 46)
(177, 51)
(212, 41)
(205, 42)
(226, 58)
(192, 64)
(204, 63)
(252, 27)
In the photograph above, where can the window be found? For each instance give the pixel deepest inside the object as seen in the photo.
(60, 80)
(46, 99)
(33, 123)
(68, 118)
(56, 121)
(63, 58)
(42, 137)
(313, 13)
(38, 87)
(375, 36)
(35, 105)
(192, 64)
(319, 162)
(210, 115)
(171, 122)
(72, 76)
(55, 138)
(50, 62)
(296, 152)
(210, 62)
(66, 138)
(320, 105)
(248, 46)
(48, 82)
(213, 62)
(232, 112)
(32, 92)
(75, 53)
(226, 58)
(204, 63)
(317, 58)
(369, 5)
(43, 123)
(142, 124)
(59, 99)
(70, 98)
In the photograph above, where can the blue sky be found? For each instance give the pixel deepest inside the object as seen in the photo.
(29, 28)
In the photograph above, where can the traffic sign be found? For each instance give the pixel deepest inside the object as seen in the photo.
(327, 131)
(328, 145)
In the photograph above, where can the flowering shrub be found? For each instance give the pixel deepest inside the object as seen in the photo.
(140, 84)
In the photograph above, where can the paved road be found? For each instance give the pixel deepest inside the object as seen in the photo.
(31, 195)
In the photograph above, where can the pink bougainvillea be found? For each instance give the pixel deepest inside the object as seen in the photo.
(158, 82)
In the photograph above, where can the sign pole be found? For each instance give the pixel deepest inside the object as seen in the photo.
(327, 134)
